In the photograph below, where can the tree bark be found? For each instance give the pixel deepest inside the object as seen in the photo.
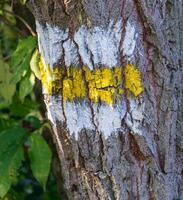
(132, 148)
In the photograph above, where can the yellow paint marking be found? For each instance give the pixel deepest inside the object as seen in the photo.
(73, 85)
(46, 76)
(103, 85)
(133, 80)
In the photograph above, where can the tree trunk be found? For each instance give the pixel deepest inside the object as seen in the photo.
(112, 81)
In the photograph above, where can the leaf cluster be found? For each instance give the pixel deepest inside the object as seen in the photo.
(25, 156)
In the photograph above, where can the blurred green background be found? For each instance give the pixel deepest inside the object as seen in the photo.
(25, 157)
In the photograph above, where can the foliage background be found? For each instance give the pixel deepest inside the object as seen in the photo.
(25, 157)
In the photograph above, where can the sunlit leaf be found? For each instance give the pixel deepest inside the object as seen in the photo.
(34, 64)
(23, 2)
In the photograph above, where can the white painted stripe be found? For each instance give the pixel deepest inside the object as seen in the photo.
(129, 42)
(101, 44)
(50, 39)
(108, 119)
(54, 109)
(71, 57)
(97, 45)
(78, 118)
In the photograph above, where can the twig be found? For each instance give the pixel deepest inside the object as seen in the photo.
(22, 20)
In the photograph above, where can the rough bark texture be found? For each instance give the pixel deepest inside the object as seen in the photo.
(144, 158)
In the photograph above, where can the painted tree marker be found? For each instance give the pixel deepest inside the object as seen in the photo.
(104, 85)
(97, 89)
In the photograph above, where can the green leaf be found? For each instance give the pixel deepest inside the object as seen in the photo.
(26, 85)
(9, 40)
(23, 2)
(34, 121)
(7, 89)
(34, 64)
(40, 157)
(20, 60)
(21, 69)
(11, 155)
(8, 15)
(24, 46)
(21, 109)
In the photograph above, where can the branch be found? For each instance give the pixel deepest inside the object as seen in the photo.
(22, 20)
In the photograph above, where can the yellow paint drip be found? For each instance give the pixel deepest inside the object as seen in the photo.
(100, 85)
